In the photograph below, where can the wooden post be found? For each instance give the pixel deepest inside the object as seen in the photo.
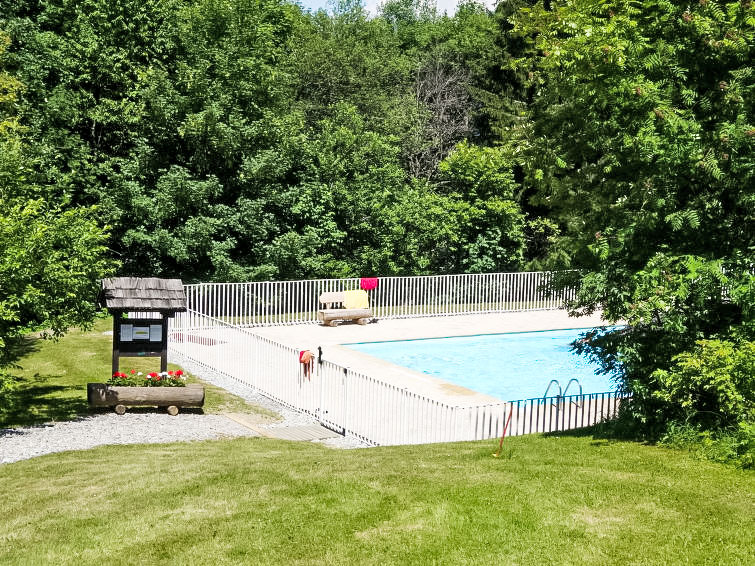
(164, 352)
(116, 341)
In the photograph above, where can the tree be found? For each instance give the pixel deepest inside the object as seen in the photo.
(442, 112)
(348, 58)
(51, 255)
(641, 145)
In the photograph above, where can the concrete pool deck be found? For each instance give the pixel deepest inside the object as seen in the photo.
(331, 340)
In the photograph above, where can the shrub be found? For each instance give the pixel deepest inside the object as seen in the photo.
(8, 384)
(712, 386)
(735, 446)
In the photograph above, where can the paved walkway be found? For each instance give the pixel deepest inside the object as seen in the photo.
(287, 432)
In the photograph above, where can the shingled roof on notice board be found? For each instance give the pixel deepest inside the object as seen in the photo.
(146, 294)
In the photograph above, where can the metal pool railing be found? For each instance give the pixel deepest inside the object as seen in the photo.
(561, 413)
(296, 302)
(364, 406)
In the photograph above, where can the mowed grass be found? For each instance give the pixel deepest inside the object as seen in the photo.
(572, 499)
(52, 378)
(551, 500)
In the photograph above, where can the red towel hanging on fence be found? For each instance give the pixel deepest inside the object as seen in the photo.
(306, 359)
(368, 283)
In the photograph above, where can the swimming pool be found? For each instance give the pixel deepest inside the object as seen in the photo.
(506, 366)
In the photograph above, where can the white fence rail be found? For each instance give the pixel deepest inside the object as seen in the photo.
(296, 302)
(360, 405)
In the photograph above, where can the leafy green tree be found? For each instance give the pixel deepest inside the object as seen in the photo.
(507, 93)
(51, 255)
(481, 178)
(341, 178)
(641, 145)
(352, 59)
(150, 109)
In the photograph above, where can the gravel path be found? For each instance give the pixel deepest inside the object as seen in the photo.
(131, 428)
(149, 426)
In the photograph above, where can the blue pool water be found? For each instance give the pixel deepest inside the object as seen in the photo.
(505, 366)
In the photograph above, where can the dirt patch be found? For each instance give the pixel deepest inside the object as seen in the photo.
(599, 522)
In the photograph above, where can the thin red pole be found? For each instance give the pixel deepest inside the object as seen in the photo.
(505, 428)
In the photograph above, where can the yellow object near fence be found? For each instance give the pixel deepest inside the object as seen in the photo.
(355, 300)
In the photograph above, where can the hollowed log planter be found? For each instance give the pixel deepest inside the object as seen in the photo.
(120, 397)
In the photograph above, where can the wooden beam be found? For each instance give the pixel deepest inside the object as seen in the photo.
(164, 354)
(116, 341)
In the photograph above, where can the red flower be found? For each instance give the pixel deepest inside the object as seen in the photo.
(153, 374)
(133, 371)
(178, 373)
(157, 378)
(170, 373)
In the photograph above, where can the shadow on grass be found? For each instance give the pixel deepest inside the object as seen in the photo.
(17, 348)
(32, 404)
(29, 406)
(602, 434)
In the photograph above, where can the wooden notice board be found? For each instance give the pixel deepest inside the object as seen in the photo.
(140, 337)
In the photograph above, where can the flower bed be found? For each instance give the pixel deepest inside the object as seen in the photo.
(153, 379)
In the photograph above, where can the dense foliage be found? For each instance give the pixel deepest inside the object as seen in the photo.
(250, 140)
(51, 253)
(640, 145)
(711, 386)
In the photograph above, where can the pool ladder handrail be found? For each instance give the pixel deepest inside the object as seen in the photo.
(545, 395)
(562, 392)
(573, 380)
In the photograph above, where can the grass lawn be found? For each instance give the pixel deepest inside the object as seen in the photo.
(552, 500)
(52, 378)
(571, 499)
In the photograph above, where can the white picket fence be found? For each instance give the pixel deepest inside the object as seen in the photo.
(353, 403)
(296, 302)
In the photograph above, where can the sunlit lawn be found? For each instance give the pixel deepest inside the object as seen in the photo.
(567, 500)
(53, 377)
(571, 499)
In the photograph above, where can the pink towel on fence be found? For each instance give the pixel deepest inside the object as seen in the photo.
(368, 283)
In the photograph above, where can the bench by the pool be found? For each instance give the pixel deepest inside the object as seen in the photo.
(354, 306)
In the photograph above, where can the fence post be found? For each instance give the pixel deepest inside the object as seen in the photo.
(455, 425)
(404, 417)
(321, 379)
(345, 400)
